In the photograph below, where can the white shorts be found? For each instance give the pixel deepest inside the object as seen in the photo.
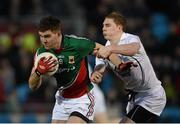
(64, 106)
(153, 101)
(100, 105)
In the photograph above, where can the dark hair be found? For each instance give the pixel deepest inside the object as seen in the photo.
(118, 19)
(49, 23)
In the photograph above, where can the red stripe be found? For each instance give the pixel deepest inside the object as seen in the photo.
(80, 86)
(91, 106)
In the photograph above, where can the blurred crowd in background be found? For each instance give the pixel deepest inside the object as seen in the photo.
(157, 22)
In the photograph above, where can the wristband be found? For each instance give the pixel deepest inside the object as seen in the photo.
(37, 73)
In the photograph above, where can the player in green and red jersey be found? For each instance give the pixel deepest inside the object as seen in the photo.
(74, 99)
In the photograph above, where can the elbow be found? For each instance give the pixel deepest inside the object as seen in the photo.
(133, 52)
(33, 88)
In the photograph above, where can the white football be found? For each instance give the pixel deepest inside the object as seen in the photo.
(47, 55)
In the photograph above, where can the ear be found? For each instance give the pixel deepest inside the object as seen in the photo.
(59, 33)
(120, 27)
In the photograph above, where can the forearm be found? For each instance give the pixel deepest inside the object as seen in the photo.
(114, 58)
(34, 81)
(125, 49)
(100, 68)
(97, 74)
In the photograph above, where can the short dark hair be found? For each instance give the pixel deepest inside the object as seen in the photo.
(118, 18)
(49, 23)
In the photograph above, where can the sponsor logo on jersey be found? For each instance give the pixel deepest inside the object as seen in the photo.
(60, 70)
(71, 60)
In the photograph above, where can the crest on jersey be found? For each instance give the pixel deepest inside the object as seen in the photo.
(60, 61)
(71, 60)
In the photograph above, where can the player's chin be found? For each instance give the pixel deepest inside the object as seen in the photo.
(47, 47)
(106, 37)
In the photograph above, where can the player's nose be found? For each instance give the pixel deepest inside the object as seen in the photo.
(103, 29)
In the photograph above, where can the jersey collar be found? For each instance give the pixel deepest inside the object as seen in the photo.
(123, 36)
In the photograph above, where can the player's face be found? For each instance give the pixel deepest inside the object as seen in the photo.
(110, 29)
(49, 39)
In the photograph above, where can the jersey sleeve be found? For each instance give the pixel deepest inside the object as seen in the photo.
(83, 45)
(134, 39)
(100, 61)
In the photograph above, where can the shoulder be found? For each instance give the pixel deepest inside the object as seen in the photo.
(131, 38)
(40, 50)
(128, 35)
(74, 37)
(74, 40)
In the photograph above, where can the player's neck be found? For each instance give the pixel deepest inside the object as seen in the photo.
(59, 42)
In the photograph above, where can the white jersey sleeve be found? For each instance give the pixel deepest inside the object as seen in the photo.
(100, 61)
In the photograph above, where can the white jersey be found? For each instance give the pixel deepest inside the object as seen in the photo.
(141, 78)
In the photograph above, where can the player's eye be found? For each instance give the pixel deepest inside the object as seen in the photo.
(47, 36)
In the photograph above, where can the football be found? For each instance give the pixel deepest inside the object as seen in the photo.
(47, 55)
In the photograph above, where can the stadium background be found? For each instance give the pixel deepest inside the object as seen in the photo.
(157, 22)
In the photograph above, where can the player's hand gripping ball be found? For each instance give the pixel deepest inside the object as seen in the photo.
(46, 64)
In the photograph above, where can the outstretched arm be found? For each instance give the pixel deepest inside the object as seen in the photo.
(99, 70)
(112, 57)
(124, 49)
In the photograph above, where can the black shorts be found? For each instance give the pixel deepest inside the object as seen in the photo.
(140, 115)
(77, 114)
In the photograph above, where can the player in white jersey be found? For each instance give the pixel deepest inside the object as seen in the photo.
(147, 98)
